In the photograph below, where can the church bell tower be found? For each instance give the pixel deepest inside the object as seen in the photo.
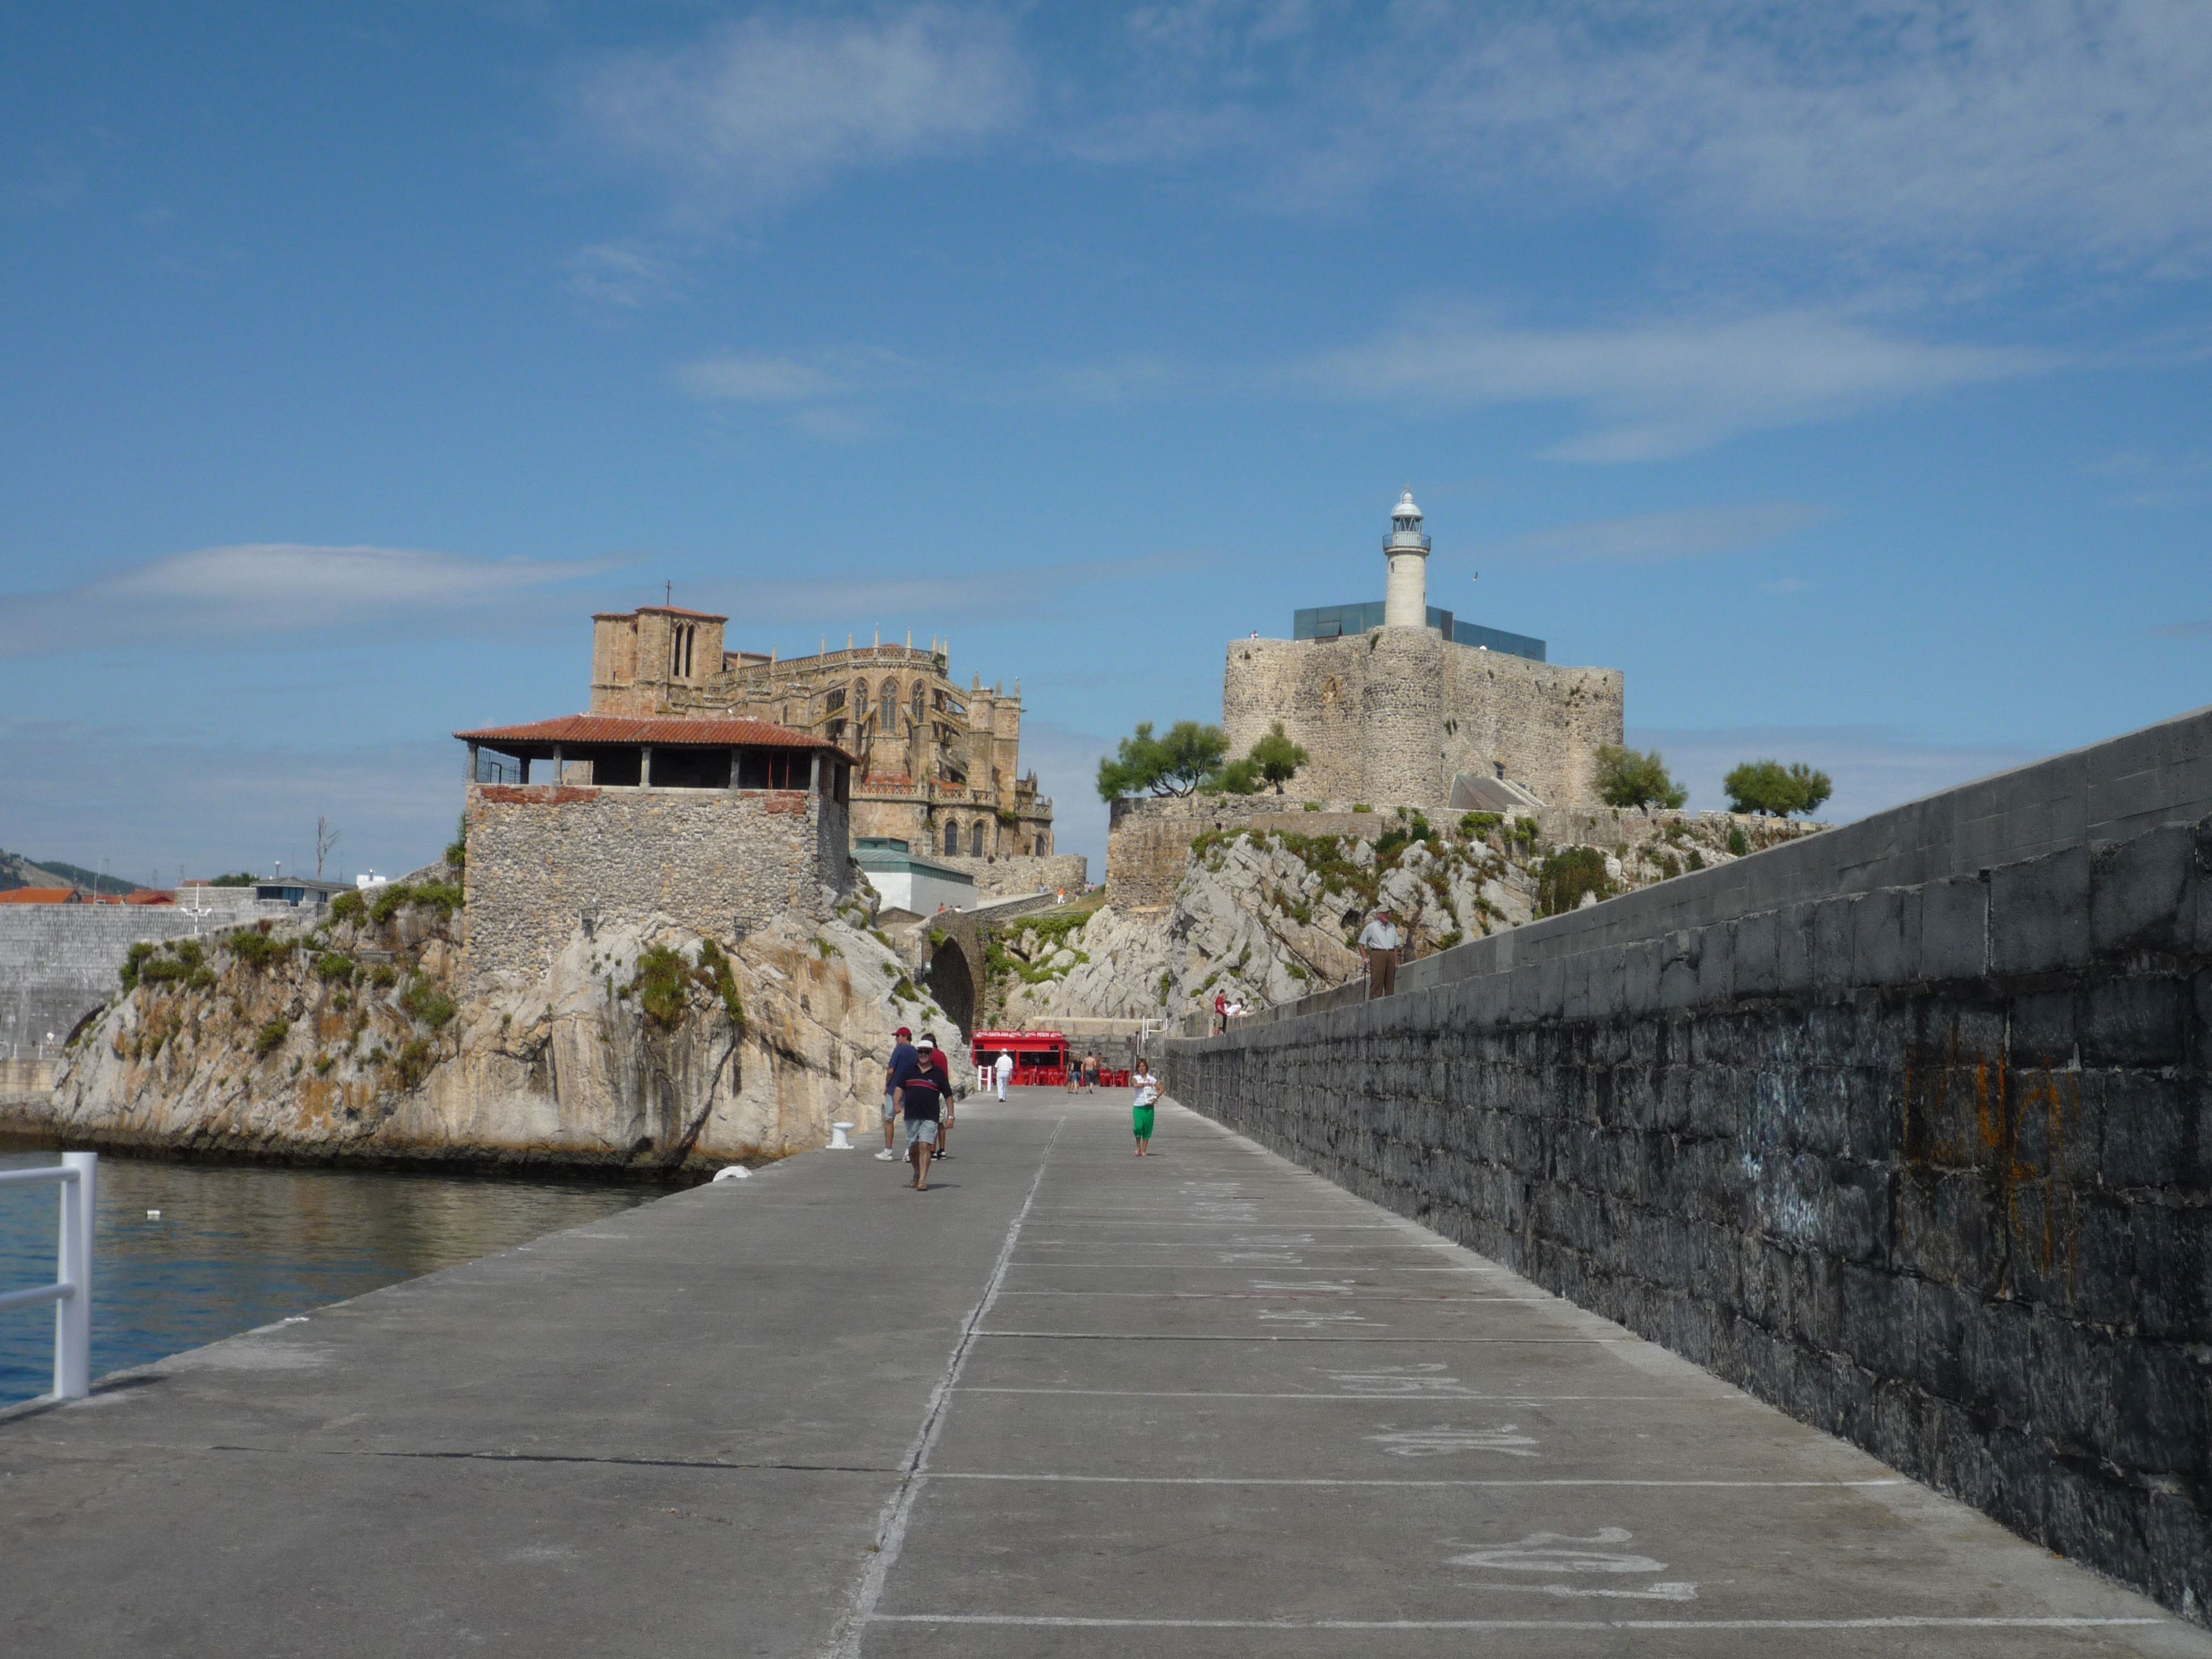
(1406, 599)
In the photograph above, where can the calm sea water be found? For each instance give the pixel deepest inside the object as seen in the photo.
(239, 1246)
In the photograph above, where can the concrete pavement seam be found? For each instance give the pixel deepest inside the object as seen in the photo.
(891, 1535)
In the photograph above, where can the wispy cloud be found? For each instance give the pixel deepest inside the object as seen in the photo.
(154, 805)
(1659, 538)
(835, 394)
(625, 274)
(765, 109)
(1654, 390)
(1983, 133)
(2152, 479)
(768, 378)
(1029, 590)
(218, 594)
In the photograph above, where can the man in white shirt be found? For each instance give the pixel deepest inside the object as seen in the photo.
(1003, 1068)
(1378, 948)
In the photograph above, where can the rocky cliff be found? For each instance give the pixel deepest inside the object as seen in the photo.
(646, 1044)
(1268, 916)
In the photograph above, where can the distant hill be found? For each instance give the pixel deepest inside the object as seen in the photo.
(16, 870)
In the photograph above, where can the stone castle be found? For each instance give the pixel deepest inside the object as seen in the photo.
(1405, 714)
(939, 764)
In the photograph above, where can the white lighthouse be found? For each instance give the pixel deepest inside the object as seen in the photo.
(1406, 599)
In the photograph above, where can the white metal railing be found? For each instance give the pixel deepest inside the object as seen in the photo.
(78, 1176)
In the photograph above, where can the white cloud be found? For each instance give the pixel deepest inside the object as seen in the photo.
(1871, 768)
(1658, 537)
(767, 108)
(259, 588)
(1659, 389)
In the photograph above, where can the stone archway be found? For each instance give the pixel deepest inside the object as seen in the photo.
(952, 976)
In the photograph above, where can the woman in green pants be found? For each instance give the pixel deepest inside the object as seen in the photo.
(1148, 1093)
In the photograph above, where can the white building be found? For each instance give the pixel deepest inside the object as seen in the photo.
(910, 884)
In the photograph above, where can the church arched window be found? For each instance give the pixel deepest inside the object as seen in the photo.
(921, 702)
(835, 701)
(860, 700)
(951, 838)
(976, 841)
(890, 705)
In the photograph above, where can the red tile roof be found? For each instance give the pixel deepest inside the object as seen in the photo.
(586, 729)
(40, 895)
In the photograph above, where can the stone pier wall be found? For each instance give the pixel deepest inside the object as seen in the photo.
(61, 962)
(1927, 1162)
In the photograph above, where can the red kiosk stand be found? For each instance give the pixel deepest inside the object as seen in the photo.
(1039, 1057)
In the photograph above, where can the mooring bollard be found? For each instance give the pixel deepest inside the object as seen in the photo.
(837, 1141)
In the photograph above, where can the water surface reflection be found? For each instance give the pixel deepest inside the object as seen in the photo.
(237, 1246)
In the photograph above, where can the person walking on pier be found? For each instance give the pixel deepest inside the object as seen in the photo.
(1378, 948)
(921, 1096)
(1148, 1094)
(902, 1052)
(941, 1063)
(1003, 1069)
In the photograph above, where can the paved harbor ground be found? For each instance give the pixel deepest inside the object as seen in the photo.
(1066, 1402)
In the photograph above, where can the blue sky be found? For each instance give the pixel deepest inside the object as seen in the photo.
(1840, 373)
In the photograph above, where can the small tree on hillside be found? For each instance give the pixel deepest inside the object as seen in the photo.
(1277, 758)
(1174, 765)
(1769, 787)
(1629, 777)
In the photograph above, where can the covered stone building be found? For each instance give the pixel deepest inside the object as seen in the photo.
(722, 826)
(1402, 715)
(940, 764)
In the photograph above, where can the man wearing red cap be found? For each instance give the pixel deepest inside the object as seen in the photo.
(901, 1054)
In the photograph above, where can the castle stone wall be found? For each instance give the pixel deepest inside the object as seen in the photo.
(1544, 721)
(541, 857)
(1391, 717)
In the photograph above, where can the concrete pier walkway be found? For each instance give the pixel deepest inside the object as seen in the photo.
(1067, 1402)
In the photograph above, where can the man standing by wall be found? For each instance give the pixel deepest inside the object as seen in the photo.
(1378, 948)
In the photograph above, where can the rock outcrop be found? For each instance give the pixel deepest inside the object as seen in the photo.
(1268, 916)
(645, 1045)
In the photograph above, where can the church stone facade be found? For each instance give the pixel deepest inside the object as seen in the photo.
(1402, 716)
(940, 764)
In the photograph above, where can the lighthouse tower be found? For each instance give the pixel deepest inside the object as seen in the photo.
(1406, 599)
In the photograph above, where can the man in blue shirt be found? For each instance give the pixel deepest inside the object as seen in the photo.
(901, 1054)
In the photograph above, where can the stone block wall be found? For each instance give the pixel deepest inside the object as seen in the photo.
(1005, 877)
(60, 962)
(541, 856)
(1928, 1164)
(1148, 838)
